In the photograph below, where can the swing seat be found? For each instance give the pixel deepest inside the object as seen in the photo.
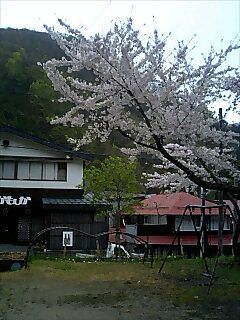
(207, 274)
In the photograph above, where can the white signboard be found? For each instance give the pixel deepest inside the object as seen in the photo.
(67, 238)
(14, 201)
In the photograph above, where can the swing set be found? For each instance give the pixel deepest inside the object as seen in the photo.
(209, 272)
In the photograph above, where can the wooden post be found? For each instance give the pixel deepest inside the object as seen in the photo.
(65, 241)
(98, 254)
(64, 251)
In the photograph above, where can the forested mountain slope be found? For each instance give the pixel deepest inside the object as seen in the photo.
(27, 99)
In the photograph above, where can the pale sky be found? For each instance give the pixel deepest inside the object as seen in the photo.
(211, 21)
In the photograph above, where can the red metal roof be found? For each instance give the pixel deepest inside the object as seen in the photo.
(172, 204)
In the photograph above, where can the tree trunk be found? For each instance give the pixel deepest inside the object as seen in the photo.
(117, 235)
(235, 243)
(118, 228)
(118, 216)
(236, 228)
(220, 224)
(204, 236)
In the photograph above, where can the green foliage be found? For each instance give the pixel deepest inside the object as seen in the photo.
(113, 179)
(25, 93)
(16, 65)
(42, 89)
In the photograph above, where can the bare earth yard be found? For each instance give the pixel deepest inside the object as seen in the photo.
(115, 290)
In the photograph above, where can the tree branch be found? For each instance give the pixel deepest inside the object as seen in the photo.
(193, 177)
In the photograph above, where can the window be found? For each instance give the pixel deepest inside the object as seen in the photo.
(213, 223)
(61, 171)
(130, 219)
(48, 171)
(150, 219)
(1, 169)
(33, 170)
(187, 223)
(23, 170)
(7, 170)
(155, 219)
(227, 223)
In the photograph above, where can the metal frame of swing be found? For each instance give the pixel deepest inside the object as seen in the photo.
(209, 274)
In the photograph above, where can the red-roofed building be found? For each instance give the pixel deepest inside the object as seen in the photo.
(157, 219)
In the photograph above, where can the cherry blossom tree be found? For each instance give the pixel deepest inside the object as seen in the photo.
(157, 98)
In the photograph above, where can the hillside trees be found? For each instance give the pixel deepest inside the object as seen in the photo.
(27, 98)
(157, 100)
(22, 107)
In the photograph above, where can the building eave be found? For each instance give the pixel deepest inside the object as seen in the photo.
(78, 154)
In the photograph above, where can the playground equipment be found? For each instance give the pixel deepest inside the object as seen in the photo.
(209, 273)
(148, 249)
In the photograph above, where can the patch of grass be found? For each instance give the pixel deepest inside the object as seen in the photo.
(69, 269)
(184, 281)
(113, 284)
(176, 272)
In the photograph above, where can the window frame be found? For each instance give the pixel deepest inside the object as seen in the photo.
(56, 169)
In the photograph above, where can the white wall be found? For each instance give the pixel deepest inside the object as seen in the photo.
(24, 149)
(75, 173)
(20, 147)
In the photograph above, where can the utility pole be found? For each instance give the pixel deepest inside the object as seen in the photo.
(204, 238)
(221, 215)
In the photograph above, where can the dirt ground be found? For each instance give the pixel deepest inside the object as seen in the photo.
(104, 291)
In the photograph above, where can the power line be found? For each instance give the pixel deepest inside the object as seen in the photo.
(100, 14)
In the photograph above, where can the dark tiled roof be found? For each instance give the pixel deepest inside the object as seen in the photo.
(65, 201)
(50, 144)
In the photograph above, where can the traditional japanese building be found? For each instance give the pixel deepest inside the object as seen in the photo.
(163, 221)
(41, 187)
